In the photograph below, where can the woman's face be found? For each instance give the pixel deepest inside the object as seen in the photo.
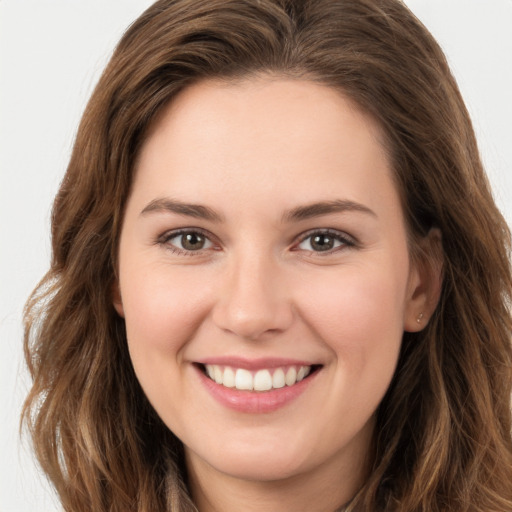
(263, 242)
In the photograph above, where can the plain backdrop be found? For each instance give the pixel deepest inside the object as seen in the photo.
(51, 55)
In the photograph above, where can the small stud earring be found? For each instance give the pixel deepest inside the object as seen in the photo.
(420, 317)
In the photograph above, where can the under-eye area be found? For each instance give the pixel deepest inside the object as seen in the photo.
(264, 379)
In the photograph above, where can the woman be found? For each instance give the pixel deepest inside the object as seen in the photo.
(279, 280)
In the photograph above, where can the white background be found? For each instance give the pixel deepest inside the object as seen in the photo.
(51, 55)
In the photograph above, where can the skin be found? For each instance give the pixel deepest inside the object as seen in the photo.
(253, 152)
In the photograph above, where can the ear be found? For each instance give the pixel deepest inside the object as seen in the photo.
(425, 282)
(117, 301)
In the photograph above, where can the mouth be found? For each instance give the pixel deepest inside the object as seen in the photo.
(258, 381)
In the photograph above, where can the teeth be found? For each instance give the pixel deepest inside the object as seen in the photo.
(229, 378)
(300, 374)
(217, 374)
(262, 380)
(210, 371)
(291, 376)
(278, 379)
(243, 379)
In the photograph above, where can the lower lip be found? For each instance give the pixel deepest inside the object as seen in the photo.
(255, 402)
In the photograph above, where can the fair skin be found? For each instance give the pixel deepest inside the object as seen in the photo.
(264, 234)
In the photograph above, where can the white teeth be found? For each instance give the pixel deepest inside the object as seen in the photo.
(262, 380)
(217, 374)
(210, 371)
(229, 378)
(278, 379)
(243, 379)
(291, 376)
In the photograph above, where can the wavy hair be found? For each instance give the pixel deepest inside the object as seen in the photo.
(443, 436)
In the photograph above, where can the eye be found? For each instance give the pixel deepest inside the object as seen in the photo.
(186, 241)
(325, 241)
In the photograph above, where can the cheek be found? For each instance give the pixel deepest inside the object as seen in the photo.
(162, 309)
(359, 315)
(163, 312)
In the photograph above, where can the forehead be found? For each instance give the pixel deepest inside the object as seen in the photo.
(280, 140)
(262, 101)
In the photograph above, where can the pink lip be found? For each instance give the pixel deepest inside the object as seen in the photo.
(254, 402)
(254, 364)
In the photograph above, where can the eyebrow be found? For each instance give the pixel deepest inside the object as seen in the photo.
(190, 210)
(295, 214)
(324, 208)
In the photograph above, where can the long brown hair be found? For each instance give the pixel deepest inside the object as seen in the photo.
(443, 437)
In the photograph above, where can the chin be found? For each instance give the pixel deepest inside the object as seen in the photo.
(261, 471)
(257, 463)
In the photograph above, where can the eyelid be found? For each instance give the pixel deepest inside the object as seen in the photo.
(165, 237)
(346, 240)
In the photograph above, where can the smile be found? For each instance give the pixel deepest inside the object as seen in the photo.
(256, 386)
(261, 380)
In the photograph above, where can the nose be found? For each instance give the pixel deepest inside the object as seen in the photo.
(253, 300)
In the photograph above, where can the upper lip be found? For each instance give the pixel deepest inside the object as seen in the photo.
(254, 364)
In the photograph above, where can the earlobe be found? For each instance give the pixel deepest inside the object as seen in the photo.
(425, 282)
(116, 299)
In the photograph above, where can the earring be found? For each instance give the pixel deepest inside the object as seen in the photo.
(420, 317)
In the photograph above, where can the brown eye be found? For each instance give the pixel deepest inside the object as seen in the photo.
(188, 241)
(325, 241)
(322, 242)
(192, 241)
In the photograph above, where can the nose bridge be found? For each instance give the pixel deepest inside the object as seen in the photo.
(253, 300)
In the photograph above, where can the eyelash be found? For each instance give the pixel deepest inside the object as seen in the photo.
(345, 241)
(164, 240)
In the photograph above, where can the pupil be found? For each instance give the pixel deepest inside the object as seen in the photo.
(192, 241)
(322, 242)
